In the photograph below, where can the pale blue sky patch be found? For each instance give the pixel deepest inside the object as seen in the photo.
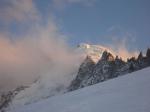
(91, 21)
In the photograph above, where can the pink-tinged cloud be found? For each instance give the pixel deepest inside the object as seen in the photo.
(124, 53)
(42, 52)
(121, 49)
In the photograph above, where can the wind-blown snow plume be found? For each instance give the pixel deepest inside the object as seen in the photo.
(121, 49)
(122, 42)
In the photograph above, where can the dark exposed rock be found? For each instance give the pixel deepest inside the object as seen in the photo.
(107, 67)
(148, 53)
(7, 97)
(148, 56)
(140, 56)
(107, 56)
(85, 71)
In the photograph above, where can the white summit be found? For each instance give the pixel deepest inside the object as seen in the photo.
(94, 51)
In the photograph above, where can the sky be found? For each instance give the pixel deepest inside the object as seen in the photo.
(37, 36)
(103, 22)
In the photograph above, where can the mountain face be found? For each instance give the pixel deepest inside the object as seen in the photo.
(6, 98)
(129, 93)
(106, 68)
(99, 65)
(40, 90)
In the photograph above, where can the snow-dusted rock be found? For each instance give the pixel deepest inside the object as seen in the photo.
(108, 67)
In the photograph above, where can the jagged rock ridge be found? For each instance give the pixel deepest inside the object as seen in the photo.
(93, 51)
(106, 68)
(94, 70)
(6, 98)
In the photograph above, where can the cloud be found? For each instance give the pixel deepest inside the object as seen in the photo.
(123, 42)
(62, 3)
(18, 10)
(123, 51)
(41, 52)
(121, 48)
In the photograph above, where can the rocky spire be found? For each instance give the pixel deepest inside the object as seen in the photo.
(85, 70)
(107, 67)
(148, 53)
(107, 56)
(140, 56)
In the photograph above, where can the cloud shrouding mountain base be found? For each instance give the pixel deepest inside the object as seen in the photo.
(41, 52)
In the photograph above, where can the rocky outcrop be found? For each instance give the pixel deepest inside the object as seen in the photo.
(7, 97)
(106, 68)
(85, 71)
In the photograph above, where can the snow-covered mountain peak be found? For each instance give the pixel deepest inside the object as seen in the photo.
(94, 51)
(99, 65)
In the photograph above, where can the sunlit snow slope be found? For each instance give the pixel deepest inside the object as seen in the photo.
(129, 93)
